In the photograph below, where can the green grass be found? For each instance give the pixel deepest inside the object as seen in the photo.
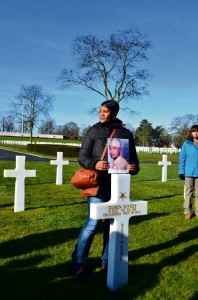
(36, 245)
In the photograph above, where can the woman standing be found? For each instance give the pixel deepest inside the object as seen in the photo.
(188, 170)
(89, 158)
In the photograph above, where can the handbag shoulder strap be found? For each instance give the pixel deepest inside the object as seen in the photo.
(105, 148)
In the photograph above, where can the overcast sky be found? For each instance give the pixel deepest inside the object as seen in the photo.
(36, 38)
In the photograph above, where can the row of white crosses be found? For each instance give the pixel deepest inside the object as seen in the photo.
(119, 210)
(20, 173)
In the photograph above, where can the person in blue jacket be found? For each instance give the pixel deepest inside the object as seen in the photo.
(188, 171)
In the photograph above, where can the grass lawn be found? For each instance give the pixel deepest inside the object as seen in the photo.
(36, 245)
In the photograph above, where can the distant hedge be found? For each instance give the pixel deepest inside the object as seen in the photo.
(68, 151)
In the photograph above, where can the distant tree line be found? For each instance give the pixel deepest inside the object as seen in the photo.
(145, 134)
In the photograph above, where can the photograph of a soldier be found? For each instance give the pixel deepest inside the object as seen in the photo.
(118, 155)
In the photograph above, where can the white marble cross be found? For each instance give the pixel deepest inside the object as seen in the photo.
(20, 173)
(119, 209)
(164, 163)
(59, 170)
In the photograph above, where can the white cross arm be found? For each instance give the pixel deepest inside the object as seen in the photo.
(128, 209)
(162, 163)
(21, 173)
(59, 161)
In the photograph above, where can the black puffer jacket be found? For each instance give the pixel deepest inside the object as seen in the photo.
(95, 140)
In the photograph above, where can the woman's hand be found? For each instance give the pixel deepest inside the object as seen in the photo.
(133, 169)
(101, 165)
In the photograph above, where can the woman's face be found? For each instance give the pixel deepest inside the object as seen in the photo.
(105, 114)
(195, 134)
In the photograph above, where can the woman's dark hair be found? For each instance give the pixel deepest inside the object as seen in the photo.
(193, 128)
(112, 105)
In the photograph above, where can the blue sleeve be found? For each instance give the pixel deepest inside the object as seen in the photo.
(182, 159)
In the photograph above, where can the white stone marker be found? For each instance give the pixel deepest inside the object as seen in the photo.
(119, 209)
(20, 173)
(164, 163)
(59, 170)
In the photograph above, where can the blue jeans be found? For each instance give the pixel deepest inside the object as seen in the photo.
(81, 252)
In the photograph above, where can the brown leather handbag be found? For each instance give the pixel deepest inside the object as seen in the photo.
(88, 179)
(84, 178)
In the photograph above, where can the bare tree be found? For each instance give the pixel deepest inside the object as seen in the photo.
(47, 127)
(110, 66)
(180, 127)
(30, 104)
(70, 130)
(7, 123)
